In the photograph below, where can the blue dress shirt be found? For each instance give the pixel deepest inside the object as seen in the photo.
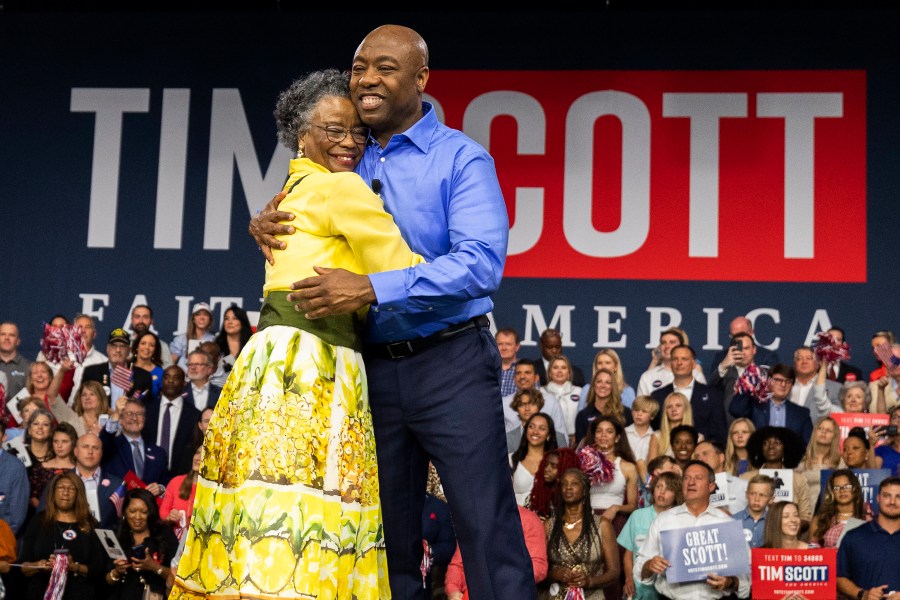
(441, 188)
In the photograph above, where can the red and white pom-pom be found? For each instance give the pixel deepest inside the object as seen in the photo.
(427, 561)
(754, 382)
(65, 341)
(597, 467)
(56, 587)
(575, 593)
(828, 349)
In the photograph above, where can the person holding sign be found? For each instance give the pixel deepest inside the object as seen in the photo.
(651, 567)
(867, 559)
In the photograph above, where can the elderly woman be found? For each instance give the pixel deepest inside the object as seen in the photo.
(307, 443)
(842, 509)
(581, 546)
(65, 525)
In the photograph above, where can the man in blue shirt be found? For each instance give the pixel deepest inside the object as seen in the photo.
(867, 558)
(432, 362)
(760, 490)
(14, 487)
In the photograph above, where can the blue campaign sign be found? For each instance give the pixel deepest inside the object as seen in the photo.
(869, 480)
(695, 552)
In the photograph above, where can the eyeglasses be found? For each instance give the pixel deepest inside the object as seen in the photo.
(846, 487)
(198, 365)
(133, 415)
(781, 380)
(337, 134)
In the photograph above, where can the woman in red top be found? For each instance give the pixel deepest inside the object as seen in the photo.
(178, 500)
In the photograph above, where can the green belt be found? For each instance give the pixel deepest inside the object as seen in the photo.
(338, 330)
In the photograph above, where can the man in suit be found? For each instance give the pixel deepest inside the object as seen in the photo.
(551, 347)
(176, 436)
(201, 393)
(118, 346)
(778, 410)
(741, 354)
(839, 370)
(98, 486)
(811, 389)
(124, 448)
(706, 401)
(764, 357)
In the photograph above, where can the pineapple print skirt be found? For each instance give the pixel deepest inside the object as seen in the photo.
(287, 501)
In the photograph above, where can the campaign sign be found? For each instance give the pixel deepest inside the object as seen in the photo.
(869, 480)
(695, 552)
(810, 573)
(847, 421)
(784, 483)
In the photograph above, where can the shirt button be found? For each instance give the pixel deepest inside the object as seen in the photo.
(381, 159)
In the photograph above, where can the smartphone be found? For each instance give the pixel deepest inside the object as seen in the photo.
(888, 430)
(139, 551)
(739, 344)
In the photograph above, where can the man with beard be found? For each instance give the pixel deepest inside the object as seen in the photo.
(867, 560)
(142, 322)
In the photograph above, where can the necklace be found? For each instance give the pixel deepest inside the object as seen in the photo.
(843, 514)
(571, 526)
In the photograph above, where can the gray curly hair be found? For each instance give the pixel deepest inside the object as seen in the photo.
(295, 105)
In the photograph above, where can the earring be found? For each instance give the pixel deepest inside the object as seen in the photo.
(299, 151)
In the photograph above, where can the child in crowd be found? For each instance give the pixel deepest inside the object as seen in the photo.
(643, 410)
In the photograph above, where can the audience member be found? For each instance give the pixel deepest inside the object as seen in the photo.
(858, 452)
(201, 393)
(879, 338)
(739, 432)
(14, 487)
(150, 545)
(124, 448)
(883, 392)
(231, 339)
(683, 440)
(178, 501)
(660, 373)
(63, 441)
(863, 573)
(822, 453)
(765, 358)
(650, 567)
(581, 546)
(7, 552)
(142, 322)
(646, 473)
(508, 345)
(538, 438)
(705, 401)
(92, 356)
(146, 351)
(135, 381)
(103, 490)
(38, 440)
(89, 410)
(666, 493)
(779, 448)
(603, 399)
(26, 406)
(759, 494)
(12, 363)
(811, 387)
(550, 345)
(843, 508)
(777, 411)
(199, 329)
(170, 423)
(527, 380)
(609, 359)
(783, 528)
(65, 525)
(545, 492)
(839, 370)
(220, 375)
(676, 411)
(526, 403)
(713, 455)
(889, 452)
(560, 386)
(640, 433)
(739, 357)
(43, 383)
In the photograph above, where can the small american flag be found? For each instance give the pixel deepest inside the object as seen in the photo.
(121, 376)
(118, 498)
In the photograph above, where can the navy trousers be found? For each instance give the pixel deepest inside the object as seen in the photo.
(443, 404)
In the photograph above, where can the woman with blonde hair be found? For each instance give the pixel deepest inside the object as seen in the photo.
(676, 410)
(604, 398)
(90, 403)
(737, 461)
(822, 453)
(559, 372)
(609, 359)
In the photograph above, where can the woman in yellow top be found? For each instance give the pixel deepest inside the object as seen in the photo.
(287, 501)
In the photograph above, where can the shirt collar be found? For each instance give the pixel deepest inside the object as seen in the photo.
(422, 131)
